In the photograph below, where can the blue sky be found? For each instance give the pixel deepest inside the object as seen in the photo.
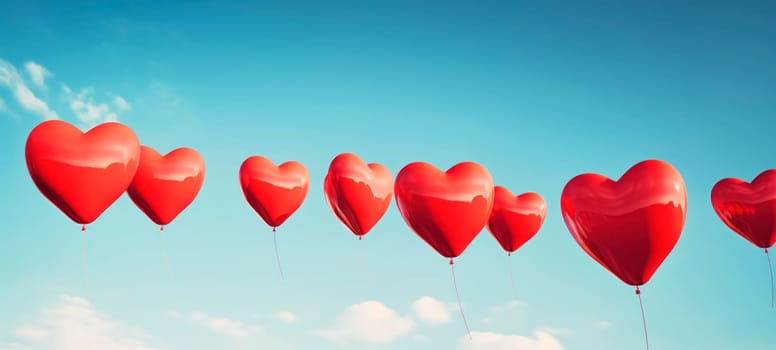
(536, 93)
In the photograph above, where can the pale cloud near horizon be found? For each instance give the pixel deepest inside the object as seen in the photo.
(511, 305)
(432, 311)
(540, 340)
(219, 325)
(367, 322)
(12, 80)
(37, 73)
(74, 324)
(285, 317)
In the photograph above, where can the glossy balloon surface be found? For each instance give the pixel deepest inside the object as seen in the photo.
(82, 174)
(448, 209)
(749, 209)
(165, 185)
(515, 219)
(359, 194)
(274, 192)
(631, 225)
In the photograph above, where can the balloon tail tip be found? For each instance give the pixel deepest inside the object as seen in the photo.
(161, 228)
(83, 228)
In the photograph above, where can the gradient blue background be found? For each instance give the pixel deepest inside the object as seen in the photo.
(537, 93)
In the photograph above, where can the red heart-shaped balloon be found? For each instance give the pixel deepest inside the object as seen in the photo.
(274, 192)
(631, 225)
(82, 173)
(445, 209)
(358, 193)
(165, 185)
(748, 209)
(515, 219)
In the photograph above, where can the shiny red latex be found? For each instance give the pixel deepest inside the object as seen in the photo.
(82, 174)
(748, 209)
(165, 185)
(358, 193)
(515, 219)
(274, 192)
(445, 209)
(631, 225)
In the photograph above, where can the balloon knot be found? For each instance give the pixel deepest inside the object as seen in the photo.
(274, 229)
(451, 261)
(638, 291)
(766, 250)
(359, 238)
(83, 228)
(161, 228)
(509, 253)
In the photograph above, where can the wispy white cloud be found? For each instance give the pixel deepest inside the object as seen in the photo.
(432, 311)
(121, 104)
(511, 305)
(86, 109)
(285, 316)
(367, 322)
(37, 73)
(541, 340)
(74, 324)
(12, 80)
(219, 325)
(83, 104)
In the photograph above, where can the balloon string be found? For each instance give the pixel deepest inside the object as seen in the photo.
(364, 257)
(643, 318)
(277, 256)
(164, 256)
(458, 296)
(512, 276)
(770, 267)
(86, 270)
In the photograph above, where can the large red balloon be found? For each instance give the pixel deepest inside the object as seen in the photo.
(631, 225)
(445, 209)
(82, 173)
(358, 193)
(274, 192)
(748, 209)
(516, 219)
(165, 185)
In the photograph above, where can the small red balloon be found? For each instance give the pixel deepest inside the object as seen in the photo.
(359, 194)
(631, 225)
(749, 209)
(448, 209)
(82, 174)
(165, 185)
(274, 192)
(516, 219)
